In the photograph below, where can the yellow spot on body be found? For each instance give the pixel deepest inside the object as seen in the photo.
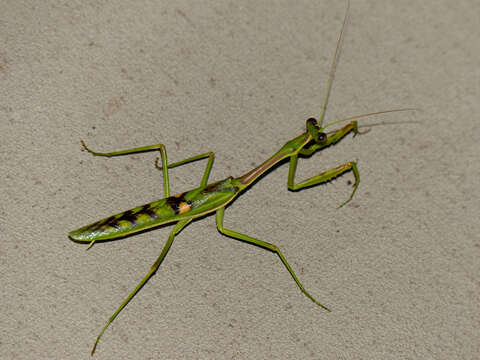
(183, 207)
(177, 195)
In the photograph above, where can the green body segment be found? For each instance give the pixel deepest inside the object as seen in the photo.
(190, 204)
(208, 198)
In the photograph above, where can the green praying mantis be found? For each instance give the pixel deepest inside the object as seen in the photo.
(182, 208)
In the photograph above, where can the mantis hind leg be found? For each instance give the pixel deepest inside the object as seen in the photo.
(178, 227)
(265, 245)
(164, 163)
(159, 147)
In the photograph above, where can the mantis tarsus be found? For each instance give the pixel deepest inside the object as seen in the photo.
(214, 197)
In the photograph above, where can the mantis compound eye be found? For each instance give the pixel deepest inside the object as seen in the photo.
(322, 137)
(313, 130)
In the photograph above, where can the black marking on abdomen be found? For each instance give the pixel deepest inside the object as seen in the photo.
(147, 210)
(179, 204)
(105, 222)
(128, 215)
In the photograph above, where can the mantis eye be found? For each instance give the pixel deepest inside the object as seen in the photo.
(322, 137)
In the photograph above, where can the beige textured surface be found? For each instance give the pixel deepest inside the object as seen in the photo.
(399, 266)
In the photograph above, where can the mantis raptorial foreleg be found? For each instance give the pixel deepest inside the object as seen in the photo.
(265, 245)
(177, 228)
(329, 174)
(323, 177)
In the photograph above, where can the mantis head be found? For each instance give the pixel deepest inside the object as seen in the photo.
(315, 131)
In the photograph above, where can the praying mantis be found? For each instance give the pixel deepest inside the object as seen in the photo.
(208, 198)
